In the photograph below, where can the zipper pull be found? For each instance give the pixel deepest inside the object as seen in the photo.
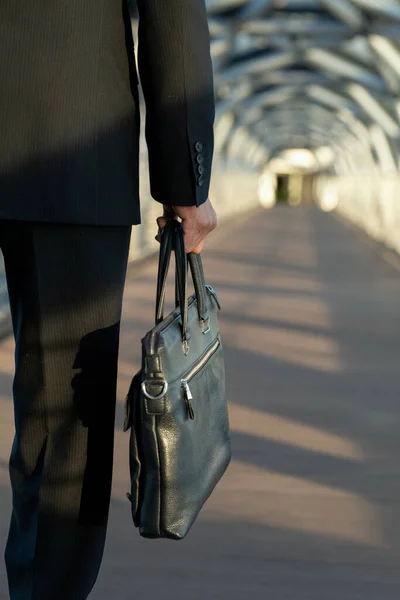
(188, 399)
(213, 293)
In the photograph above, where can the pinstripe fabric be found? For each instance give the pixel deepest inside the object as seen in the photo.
(66, 308)
(69, 117)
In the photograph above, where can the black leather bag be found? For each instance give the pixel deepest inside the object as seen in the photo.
(176, 407)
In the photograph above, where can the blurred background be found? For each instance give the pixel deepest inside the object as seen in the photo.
(308, 107)
(308, 111)
(306, 182)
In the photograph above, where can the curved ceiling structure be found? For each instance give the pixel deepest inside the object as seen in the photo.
(308, 74)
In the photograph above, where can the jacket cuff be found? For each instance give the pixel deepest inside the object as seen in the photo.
(187, 184)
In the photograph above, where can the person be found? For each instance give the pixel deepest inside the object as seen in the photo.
(69, 153)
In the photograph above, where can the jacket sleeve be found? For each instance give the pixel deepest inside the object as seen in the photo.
(176, 75)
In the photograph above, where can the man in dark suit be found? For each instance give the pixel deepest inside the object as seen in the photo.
(69, 152)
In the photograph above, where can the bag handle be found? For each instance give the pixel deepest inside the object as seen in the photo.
(196, 268)
(172, 238)
(164, 259)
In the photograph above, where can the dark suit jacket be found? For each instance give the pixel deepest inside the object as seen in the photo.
(69, 114)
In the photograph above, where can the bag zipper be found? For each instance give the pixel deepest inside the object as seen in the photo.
(197, 367)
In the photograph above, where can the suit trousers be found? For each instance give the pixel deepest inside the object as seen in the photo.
(65, 285)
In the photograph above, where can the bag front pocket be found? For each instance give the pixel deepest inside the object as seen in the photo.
(193, 372)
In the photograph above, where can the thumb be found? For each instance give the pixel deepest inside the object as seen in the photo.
(161, 222)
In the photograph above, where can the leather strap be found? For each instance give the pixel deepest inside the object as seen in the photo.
(181, 270)
(172, 238)
(164, 260)
(196, 268)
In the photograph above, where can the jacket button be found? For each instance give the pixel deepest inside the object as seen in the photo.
(200, 181)
(201, 169)
(199, 146)
(200, 158)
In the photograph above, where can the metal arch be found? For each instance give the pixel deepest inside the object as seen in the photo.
(340, 55)
(311, 117)
(251, 108)
(336, 133)
(329, 127)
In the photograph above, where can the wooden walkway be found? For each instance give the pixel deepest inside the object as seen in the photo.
(310, 508)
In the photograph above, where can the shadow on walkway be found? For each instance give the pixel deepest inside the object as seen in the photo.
(309, 509)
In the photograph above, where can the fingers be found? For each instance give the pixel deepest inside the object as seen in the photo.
(195, 238)
(196, 249)
(196, 229)
(197, 223)
(161, 222)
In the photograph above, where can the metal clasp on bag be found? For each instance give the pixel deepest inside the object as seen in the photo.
(185, 346)
(161, 395)
(205, 325)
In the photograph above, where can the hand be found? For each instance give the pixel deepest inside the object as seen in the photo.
(197, 223)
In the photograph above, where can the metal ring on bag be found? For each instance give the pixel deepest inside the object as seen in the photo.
(149, 396)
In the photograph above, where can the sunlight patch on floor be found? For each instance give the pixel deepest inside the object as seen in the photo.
(258, 496)
(313, 351)
(286, 431)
